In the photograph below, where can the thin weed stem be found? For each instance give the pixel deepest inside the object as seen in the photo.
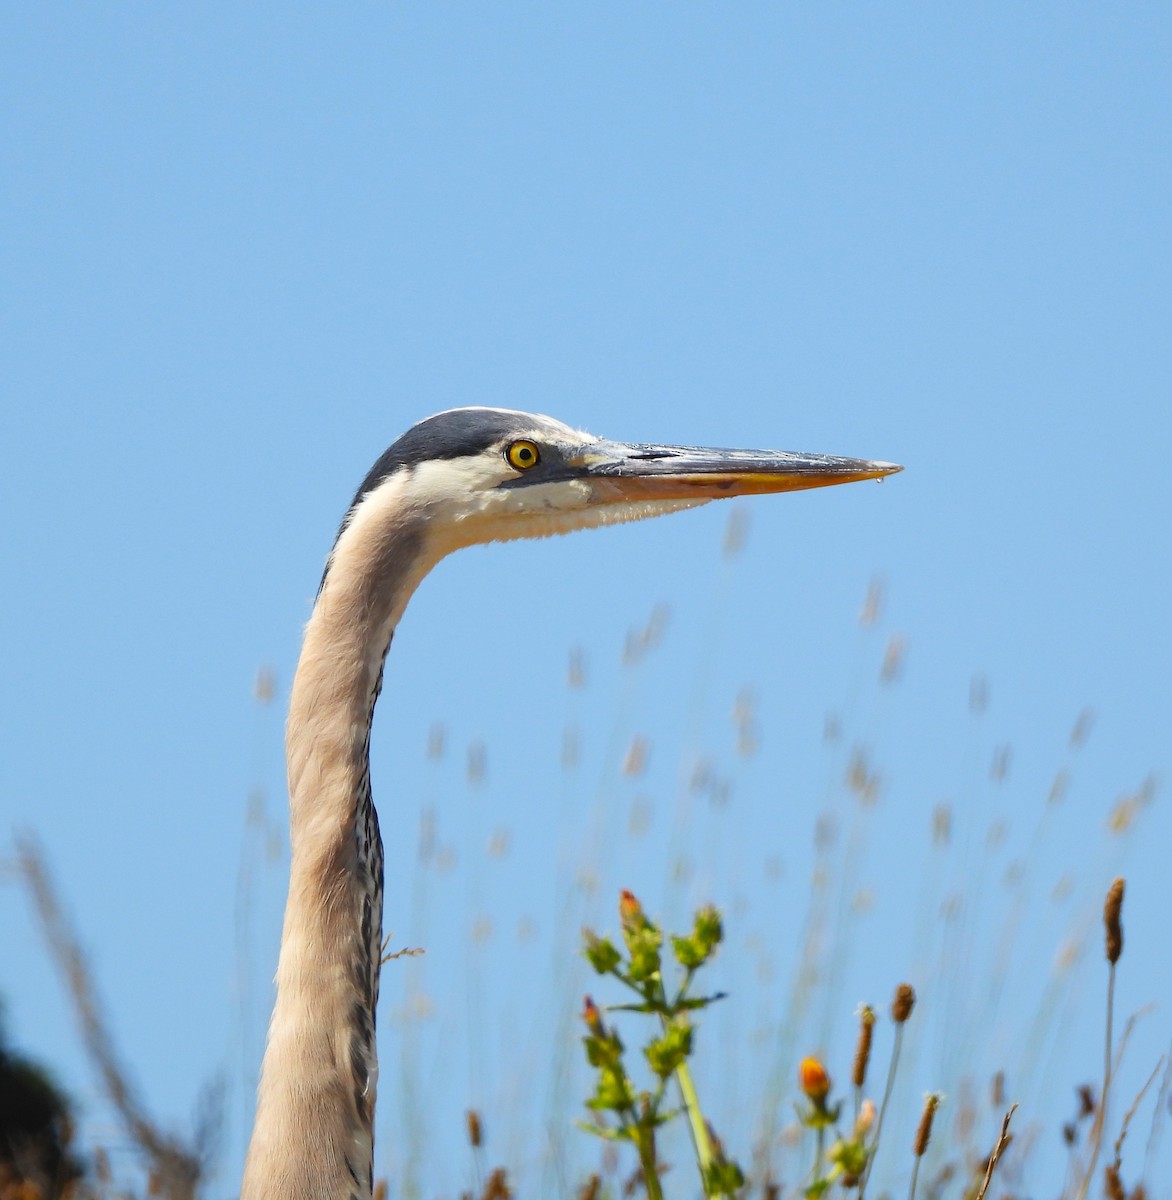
(1112, 911)
(915, 1175)
(998, 1150)
(1101, 1115)
(883, 1107)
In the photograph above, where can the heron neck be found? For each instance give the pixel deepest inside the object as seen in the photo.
(313, 1133)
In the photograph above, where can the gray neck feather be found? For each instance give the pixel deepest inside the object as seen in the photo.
(313, 1136)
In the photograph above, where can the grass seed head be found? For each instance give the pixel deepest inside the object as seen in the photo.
(1113, 1187)
(475, 1132)
(924, 1129)
(863, 1046)
(904, 1002)
(1112, 908)
(591, 1189)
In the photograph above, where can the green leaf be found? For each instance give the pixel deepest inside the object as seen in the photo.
(613, 1092)
(691, 1002)
(665, 1054)
(708, 930)
(601, 953)
(643, 945)
(688, 952)
(723, 1178)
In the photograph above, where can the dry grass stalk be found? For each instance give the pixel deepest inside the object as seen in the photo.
(1002, 1143)
(1113, 1170)
(1113, 929)
(175, 1168)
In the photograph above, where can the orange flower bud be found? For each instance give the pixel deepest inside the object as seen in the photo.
(814, 1080)
(592, 1017)
(630, 910)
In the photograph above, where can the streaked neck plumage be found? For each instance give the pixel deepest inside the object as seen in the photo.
(313, 1136)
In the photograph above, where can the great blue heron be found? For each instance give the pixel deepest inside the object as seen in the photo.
(465, 476)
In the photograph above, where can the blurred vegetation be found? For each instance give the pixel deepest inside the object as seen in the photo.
(802, 1133)
(37, 1157)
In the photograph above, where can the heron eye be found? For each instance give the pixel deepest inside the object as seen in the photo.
(523, 455)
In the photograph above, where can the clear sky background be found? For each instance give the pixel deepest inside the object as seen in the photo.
(244, 247)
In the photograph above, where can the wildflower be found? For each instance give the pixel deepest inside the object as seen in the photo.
(814, 1080)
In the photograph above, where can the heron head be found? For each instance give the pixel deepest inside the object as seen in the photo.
(488, 474)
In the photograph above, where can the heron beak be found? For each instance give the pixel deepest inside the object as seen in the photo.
(619, 471)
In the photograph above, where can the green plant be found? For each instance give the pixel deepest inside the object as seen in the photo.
(637, 1113)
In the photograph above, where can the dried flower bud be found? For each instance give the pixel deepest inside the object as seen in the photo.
(497, 1187)
(904, 1002)
(814, 1080)
(866, 1118)
(472, 1120)
(591, 1188)
(863, 1046)
(1111, 911)
(592, 1017)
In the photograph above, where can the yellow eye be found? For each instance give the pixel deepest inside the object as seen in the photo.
(523, 455)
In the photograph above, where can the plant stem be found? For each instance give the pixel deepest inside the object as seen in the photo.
(1101, 1115)
(701, 1142)
(647, 1159)
(883, 1107)
(700, 1139)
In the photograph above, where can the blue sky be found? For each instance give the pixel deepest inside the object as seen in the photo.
(245, 247)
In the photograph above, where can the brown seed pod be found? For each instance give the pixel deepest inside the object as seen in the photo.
(1112, 908)
(904, 1002)
(924, 1130)
(863, 1046)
